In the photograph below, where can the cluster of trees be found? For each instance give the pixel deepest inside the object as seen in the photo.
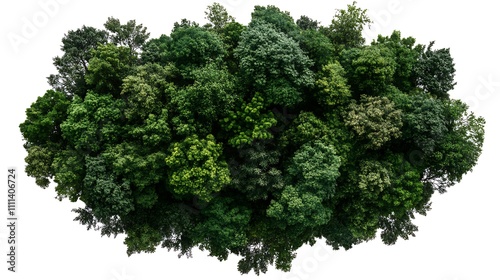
(250, 140)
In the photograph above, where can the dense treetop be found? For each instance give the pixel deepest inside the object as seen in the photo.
(250, 139)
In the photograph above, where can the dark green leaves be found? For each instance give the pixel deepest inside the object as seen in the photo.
(72, 66)
(458, 151)
(211, 97)
(224, 229)
(435, 71)
(369, 69)
(103, 192)
(43, 119)
(193, 47)
(274, 64)
(42, 133)
(107, 68)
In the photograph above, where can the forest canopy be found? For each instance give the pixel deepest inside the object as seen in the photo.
(250, 140)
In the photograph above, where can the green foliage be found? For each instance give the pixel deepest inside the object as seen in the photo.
(314, 168)
(139, 168)
(69, 173)
(146, 91)
(72, 66)
(333, 87)
(345, 30)
(192, 47)
(218, 16)
(249, 123)
(306, 23)
(130, 35)
(424, 121)
(317, 47)
(281, 21)
(42, 133)
(103, 193)
(230, 35)
(44, 118)
(406, 56)
(156, 50)
(107, 68)
(211, 97)
(93, 123)
(250, 140)
(459, 149)
(370, 69)
(306, 127)
(142, 238)
(435, 71)
(39, 162)
(274, 64)
(255, 171)
(223, 229)
(196, 167)
(375, 120)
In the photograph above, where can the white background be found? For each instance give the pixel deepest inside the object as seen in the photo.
(457, 240)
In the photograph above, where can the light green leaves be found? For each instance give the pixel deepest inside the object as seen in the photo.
(333, 87)
(345, 30)
(146, 90)
(196, 167)
(39, 160)
(373, 177)
(297, 208)
(375, 119)
(249, 123)
(315, 168)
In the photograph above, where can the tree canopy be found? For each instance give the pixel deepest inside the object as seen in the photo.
(250, 139)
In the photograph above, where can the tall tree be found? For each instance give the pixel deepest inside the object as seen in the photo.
(435, 71)
(72, 66)
(131, 35)
(345, 30)
(218, 16)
